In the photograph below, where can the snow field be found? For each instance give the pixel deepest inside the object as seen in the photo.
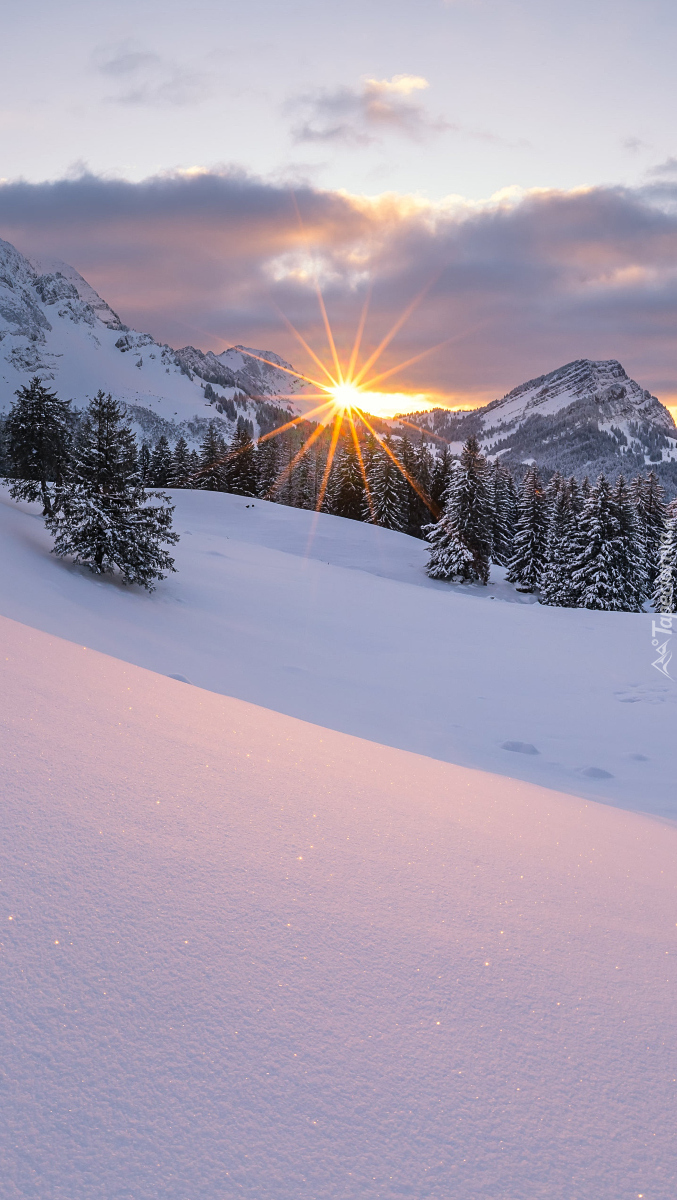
(335, 622)
(245, 956)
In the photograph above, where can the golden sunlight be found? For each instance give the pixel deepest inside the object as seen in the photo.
(346, 394)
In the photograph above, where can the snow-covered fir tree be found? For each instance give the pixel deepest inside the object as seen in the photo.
(106, 520)
(503, 498)
(649, 500)
(145, 456)
(267, 464)
(665, 587)
(306, 480)
(599, 570)
(347, 497)
(211, 473)
(441, 476)
(387, 488)
(240, 472)
(181, 465)
(527, 560)
(556, 583)
(634, 564)
(461, 539)
(37, 441)
(417, 462)
(161, 465)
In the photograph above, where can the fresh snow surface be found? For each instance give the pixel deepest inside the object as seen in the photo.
(335, 622)
(245, 956)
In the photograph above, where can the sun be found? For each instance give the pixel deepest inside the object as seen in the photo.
(345, 396)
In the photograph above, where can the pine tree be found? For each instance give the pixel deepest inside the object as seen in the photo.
(461, 539)
(556, 583)
(503, 496)
(240, 472)
(306, 481)
(599, 571)
(665, 587)
(161, 465)
(211, 473)
(37, 442)
(267, 465)
(348, 497)
(181, 465)
(387, 488)
(531, 533)
(633, 564)
(144, 461)
(441, 477)
(105, 520)
(649, 500)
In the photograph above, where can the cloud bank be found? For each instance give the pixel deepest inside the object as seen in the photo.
(514, 287)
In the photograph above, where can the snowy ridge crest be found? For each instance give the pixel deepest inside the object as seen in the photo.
(54, 324)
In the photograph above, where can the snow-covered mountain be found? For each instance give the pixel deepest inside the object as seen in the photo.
(583, 417)
(55, 325)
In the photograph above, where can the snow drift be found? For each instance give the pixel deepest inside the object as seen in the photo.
(245, 956)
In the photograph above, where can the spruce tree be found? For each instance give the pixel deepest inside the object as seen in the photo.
(240, 471)
(161, 464)
(531, 533)
(599, 570)
(267, 466)
(348, 493)
(387, 488)
(649, 500)
(37, 442)
(634, 565)
(461, 539)
(441, 477)
(144, 461)
(211, 473)
(556, 583)
(665, 587)
(503, 496)
(181, 465)
(306, 481)
(105, 520)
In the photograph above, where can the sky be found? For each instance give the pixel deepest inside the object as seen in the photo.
(205, 165)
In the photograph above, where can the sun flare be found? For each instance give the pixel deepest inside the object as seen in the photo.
(346, 397)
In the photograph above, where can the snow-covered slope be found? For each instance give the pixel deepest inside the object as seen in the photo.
(53, 324)
(244, 956)
(582, 417)
(335, 622)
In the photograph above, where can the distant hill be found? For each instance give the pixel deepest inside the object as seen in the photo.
(583, 418)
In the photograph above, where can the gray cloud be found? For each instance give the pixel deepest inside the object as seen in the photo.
(666, 168)
(519, 286)
(148, 79)
(359, 116)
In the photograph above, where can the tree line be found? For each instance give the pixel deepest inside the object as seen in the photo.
(603, 545)
(599, 546)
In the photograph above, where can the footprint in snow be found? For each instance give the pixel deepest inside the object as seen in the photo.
(181, 678)
(519, 747)
(596, 773)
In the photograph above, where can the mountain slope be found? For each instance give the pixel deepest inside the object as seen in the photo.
(53, 324)
(245, 956)
(336, 622)
(584, 417)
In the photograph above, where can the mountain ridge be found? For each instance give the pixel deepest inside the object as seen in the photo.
(581, 418)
